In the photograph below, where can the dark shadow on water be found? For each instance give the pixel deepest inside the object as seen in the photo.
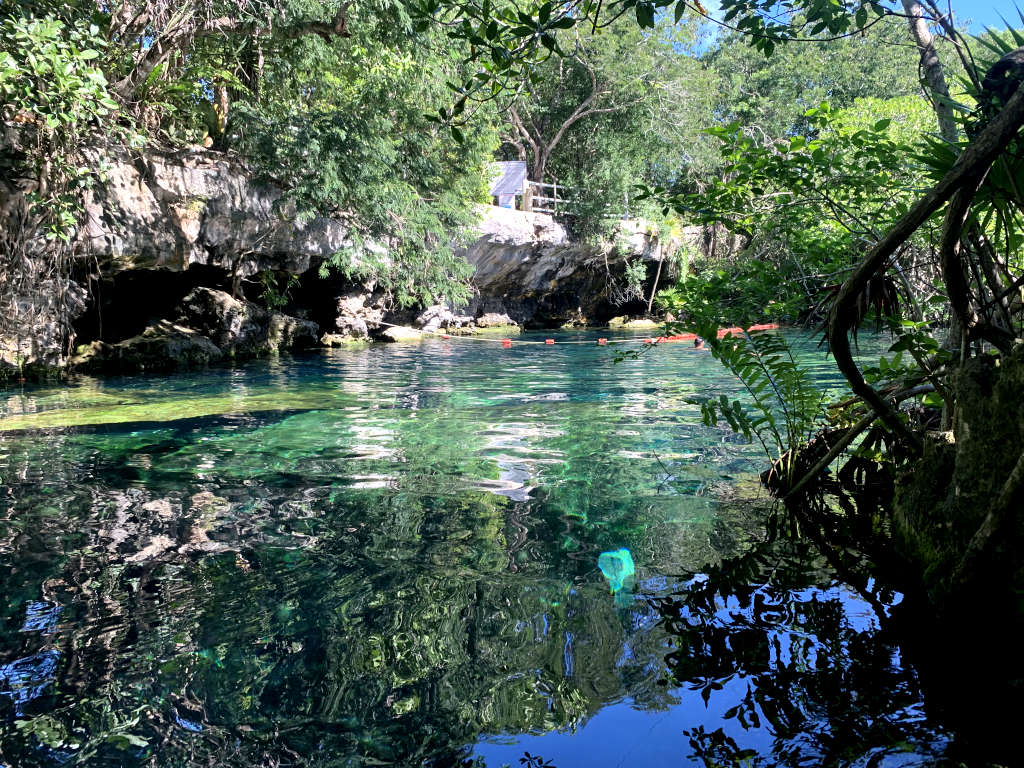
(186, 424)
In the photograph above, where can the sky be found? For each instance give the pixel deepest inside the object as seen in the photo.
(980, 13)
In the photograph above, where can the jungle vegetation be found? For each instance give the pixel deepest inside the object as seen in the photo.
(399, 109)
(856, 165)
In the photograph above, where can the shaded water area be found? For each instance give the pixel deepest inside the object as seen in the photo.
(443, 553)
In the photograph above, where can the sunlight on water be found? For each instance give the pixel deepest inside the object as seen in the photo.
(393, 555)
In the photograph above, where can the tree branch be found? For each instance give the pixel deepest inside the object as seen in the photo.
(178, 35)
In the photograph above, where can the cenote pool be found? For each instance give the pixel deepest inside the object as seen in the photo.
(435, 554)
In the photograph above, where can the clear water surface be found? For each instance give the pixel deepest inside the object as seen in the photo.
(389, 555)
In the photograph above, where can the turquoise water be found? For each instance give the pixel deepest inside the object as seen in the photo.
(392, 555)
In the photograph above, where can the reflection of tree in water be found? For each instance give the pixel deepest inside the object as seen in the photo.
(793, 659)
(313, 588)
(263, 621)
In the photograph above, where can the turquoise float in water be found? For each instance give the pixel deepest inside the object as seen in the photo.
(617, 567)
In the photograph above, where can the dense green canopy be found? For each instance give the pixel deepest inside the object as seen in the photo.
(387, 114)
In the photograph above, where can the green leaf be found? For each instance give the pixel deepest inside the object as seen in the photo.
(645, 15)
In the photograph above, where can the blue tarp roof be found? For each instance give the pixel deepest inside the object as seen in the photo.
(509, 177)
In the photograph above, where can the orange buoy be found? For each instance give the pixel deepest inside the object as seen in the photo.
(549, 341)
(506, 342)
(445, 336)
(602, 342)
(734, 331)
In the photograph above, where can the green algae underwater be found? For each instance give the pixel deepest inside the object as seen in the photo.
(397, 556)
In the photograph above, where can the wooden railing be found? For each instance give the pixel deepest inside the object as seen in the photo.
(549, 198)
(551, 203)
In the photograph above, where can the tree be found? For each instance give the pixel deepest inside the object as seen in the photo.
(600, 74)
(607, 115)
(769, 96)
(619, 109)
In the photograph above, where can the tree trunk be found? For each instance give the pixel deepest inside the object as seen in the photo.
(654, 285)
(528, 197)
(931, 68)
(935, 78)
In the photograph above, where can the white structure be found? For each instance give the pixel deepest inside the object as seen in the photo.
(509, 181)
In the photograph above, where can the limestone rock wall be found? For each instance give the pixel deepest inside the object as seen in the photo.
(527, 267)
(173, 210)
(154, 212)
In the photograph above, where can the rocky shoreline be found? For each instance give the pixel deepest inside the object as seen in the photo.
(183, 254)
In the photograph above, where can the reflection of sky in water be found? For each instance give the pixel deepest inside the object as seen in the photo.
(24, 679)
(624, 734)
(627, 732)
(41, 616)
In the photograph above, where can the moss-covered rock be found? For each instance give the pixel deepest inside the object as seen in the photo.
(242, 329)
(491, 330)
(340, 340)
(941, 503)
(401, 333)
(163, 346)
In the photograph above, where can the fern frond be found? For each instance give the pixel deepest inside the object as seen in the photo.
(786, 407)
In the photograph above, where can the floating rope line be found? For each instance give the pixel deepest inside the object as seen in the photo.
(601, 342)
